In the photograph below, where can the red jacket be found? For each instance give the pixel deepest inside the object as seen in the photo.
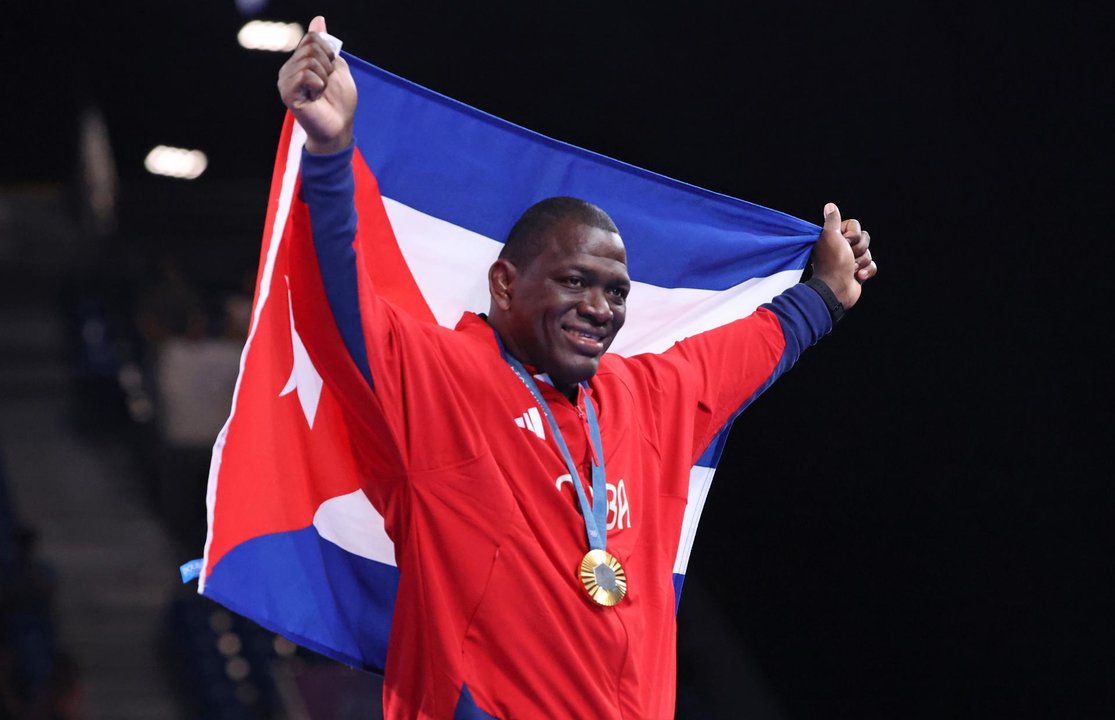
(491, 616)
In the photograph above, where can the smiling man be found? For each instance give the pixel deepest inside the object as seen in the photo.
(534, 485)
(559, 289)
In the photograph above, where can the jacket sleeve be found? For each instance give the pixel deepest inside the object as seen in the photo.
(327, 190)
(405, 359)
(723, 370)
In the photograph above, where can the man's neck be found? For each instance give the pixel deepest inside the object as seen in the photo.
(569, 391)
(570, 394)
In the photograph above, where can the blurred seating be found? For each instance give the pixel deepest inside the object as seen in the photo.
(157, 344)
(230, 668)
(30, 665)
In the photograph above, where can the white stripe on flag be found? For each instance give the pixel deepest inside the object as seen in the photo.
(353, 524)
(700, 479)
(657, 317)
(449, 263)
(450, 266)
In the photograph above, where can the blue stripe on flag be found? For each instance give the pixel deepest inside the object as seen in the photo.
(679, 580)
(467, 709)
(312, 592)
(479, 172)
(711, 456)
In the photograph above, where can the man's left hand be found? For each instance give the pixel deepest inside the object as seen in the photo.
(842, 257)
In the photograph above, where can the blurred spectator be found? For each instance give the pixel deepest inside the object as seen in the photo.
(195, 374)
(238, 314)
(167, 303)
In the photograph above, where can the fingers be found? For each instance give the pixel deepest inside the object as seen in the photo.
(304, 77)
(865, 265)
(860, 240)
(317, 25)
(866, 268)
(857, 238)
(832, 218)
(314, 45)
(832, 259)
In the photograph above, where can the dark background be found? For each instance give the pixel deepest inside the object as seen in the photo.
(915, 522)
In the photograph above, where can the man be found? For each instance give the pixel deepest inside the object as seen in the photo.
(533, 486)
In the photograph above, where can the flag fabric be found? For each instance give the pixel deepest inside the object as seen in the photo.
(293, 542)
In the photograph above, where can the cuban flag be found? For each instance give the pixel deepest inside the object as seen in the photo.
(293, 542)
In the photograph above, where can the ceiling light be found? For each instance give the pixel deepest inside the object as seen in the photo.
(266, 35)
(176, 162)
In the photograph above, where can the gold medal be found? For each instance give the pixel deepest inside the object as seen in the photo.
(603, 577)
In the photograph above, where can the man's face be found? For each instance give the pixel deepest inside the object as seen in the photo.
(568, 303)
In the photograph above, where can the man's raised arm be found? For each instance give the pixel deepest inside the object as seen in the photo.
(317, 87)
(315, 83)
(735, 363)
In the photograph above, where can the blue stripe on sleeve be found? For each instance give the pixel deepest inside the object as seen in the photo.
(805, 319)
(327, 188)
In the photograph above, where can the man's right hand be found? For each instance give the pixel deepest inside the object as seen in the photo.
(318, 88)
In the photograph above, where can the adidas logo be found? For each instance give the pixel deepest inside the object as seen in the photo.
(532, 421)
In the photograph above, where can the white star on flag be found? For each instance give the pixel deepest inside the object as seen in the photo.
(304, 377)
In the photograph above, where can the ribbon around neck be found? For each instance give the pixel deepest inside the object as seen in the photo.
(595, 512)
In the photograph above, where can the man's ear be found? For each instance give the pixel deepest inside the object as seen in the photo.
(501, 280)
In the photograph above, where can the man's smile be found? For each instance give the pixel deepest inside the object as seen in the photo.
(590, 341)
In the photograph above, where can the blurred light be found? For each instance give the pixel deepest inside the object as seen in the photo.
(237, 669)
(130, 377)
(283, 647)
(98, 172)
(229, 644)
(250, 7)
(266, 35)
(220, 621)
(175, 162)
(141, 409)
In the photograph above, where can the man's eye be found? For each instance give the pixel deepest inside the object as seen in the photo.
(574, 282)
(618, 292)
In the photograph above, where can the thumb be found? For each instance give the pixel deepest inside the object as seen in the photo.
(317, 24)
(832, 218)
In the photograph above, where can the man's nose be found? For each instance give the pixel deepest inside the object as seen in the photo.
(596, 307)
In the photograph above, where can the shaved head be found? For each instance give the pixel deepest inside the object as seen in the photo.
(526, 240)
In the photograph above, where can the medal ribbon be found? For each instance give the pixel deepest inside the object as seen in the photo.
(596, 512)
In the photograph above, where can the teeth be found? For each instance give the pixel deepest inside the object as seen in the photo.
(586, 334)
